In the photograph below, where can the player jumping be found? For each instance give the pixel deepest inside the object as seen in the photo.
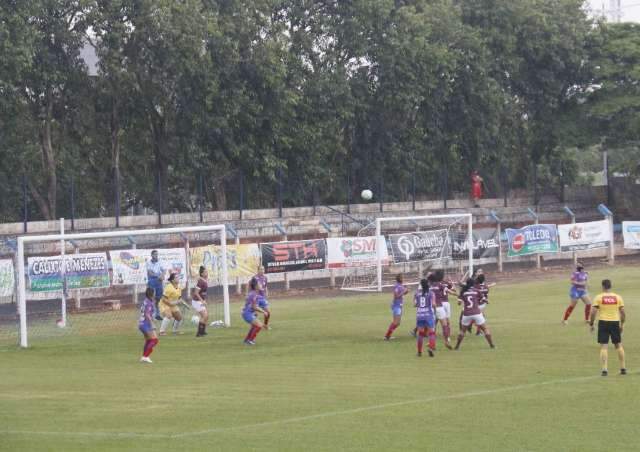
(578, 292)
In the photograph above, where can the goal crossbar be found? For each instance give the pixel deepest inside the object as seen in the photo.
(22, 240)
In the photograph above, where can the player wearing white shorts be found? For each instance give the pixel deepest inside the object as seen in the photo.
(483, 289)
(441, 290)
(471, 313)
(199, 301)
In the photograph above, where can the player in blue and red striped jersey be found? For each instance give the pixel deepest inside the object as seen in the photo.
(399, 291)
(249, 313)
(146, 326)
(263, 303)
(471, 313)
(425, 317)
(578, 292)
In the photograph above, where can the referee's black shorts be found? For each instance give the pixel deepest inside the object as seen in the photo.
(609, 329)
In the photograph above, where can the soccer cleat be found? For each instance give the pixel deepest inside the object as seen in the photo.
(388, 338)
(412, 333)
(419, 354)
(162, 333)
(623, 371)
(565, 322)
(604, 373)
(431, 354)
(249, 342)
(448, 345)
(178, 333)
(158, 317)
(146, 359)
(267, 327)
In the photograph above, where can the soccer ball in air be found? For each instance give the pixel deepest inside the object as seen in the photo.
(366, 194)
(195, 319)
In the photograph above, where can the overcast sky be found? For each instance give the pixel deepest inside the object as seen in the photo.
(630, 8)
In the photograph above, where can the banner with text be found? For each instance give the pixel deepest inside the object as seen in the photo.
(7, 279)
(419, 246)
(346, 252)
(486, 243)
(533, 239)
(279, 257)
(631, 234)
(82, 271)
(242, 261)
(130, 266)
(584, 236)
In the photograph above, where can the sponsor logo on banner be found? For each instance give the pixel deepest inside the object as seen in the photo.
(348, 252)
(486, 243)
(7, 280)
(242, 261)
(419, 246)
(282, 257)
(532, 239)
(584, 236)
(82, 271)
(631, 234)
(130, 266)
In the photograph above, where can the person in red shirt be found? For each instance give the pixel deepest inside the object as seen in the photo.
(476, 187)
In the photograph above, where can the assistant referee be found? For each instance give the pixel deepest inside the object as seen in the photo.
(610, 308)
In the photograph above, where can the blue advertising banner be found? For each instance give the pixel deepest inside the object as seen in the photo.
(533, 239)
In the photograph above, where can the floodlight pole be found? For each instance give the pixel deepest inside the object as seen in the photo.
(63, 278)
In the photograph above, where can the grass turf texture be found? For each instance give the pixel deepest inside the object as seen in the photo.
(323, 379)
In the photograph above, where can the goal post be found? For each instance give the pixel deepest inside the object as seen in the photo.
(62, 238)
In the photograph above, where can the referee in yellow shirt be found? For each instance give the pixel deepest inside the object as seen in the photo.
(610, 307)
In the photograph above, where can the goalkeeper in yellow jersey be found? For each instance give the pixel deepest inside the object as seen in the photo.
(168, 306)
(611, 316)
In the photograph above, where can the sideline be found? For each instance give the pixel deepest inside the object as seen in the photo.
(126, 435)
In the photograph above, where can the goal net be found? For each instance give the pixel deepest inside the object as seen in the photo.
(94, 283)
(413, 246)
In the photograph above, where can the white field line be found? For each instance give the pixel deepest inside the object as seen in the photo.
(126, 435)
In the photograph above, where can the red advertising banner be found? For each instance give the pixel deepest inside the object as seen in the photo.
(280, 257)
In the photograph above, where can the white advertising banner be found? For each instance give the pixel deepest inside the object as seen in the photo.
(584, 236)
(631, 234)
(345, 252)
(7, 279)
(130, 266)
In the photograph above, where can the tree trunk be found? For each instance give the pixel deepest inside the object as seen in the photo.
(157, 124)
(115, 144)
(220, 194)
(47, 203)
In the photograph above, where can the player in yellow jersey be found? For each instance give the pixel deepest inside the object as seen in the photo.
(168, 306)
(610, 308)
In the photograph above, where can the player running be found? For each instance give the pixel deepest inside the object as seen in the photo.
(199, 301)
(168, 306)
(470, 300)
(249, 313)
(425, 317)
(610, 308)
(578, 292)
(146, 326)
(263, 303)
(399, 291)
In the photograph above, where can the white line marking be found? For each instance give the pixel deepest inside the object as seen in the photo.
(462, 395)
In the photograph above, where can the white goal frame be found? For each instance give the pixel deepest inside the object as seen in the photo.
(21, 278)
(381, 220)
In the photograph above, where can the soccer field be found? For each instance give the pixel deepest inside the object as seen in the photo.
(323, 379)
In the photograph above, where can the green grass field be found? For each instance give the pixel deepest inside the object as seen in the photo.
(323, 379)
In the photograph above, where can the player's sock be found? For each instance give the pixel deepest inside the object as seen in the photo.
(148, 348)
(459, 341)
(267, 316)
(420, 341)
(249, 334)
(432, 339)
(256, 330)
(568, 312)
(604, 357)
(587, 311)
(447, 332)
(621, 357)
(176, 325)
(391, 329)
(165, 324)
